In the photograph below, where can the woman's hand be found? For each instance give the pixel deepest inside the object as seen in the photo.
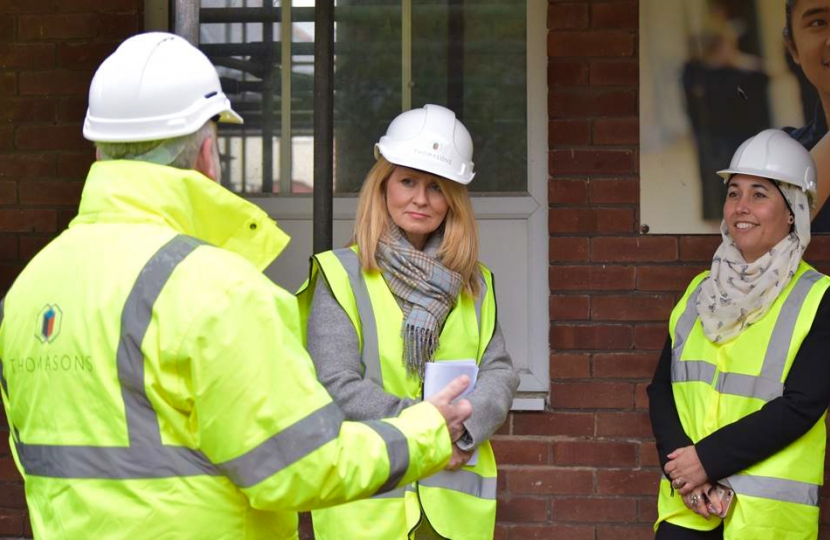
(459, 458)
(698, 501)
(685, 470)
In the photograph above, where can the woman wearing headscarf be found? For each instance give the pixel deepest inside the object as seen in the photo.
(740, 392)
(408, 292)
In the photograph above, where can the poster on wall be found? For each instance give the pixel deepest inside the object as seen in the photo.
(712, 74)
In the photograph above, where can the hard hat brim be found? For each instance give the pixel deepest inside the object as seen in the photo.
(726, 174)
(230, 117)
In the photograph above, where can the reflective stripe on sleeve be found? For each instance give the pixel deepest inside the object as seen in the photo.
(463, 481)
(396, 449)
(778, 489)
(286, 447)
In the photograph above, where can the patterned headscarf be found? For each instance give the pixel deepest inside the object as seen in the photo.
(426, 289)
(737, 293)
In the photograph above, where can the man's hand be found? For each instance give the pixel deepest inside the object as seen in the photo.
(685, 470)
(454, 413)
(459, 458)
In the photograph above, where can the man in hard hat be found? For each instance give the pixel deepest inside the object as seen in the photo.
(153, 377)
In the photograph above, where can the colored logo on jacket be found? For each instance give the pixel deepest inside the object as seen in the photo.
(49, 323)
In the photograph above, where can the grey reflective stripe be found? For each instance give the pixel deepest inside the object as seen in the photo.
(768, 386)
(370, 355)
(738, 384)
(286, 447)
(112, 462)
(146, 457)
(142, 422)
(397, 450)
(777, 489)
(480, 302)
(693, 371)
(463, 481)
(776, 357)
(681, 332)
(398, 493)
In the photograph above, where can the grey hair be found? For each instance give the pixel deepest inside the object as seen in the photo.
(178, 152)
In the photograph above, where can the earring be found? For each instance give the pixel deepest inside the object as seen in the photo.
(791, 219)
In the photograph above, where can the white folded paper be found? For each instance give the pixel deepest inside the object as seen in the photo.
(439, 374)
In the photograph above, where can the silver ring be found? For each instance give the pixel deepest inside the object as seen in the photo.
(694, 498)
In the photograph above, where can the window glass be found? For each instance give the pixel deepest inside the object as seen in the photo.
(469, 56)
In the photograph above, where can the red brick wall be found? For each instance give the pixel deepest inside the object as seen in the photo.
(587, 468)
(48, 52)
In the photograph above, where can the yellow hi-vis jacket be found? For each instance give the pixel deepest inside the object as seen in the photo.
(715, 385)
(460, 505)
(155, 381)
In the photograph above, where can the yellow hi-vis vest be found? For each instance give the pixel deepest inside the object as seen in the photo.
(460, 505)
(715, 385)
(156, 385)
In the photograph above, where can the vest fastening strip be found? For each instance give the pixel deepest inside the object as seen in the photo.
(464, 481)
(370, 355)
(778, 489)
(147, 457)
(396, 448)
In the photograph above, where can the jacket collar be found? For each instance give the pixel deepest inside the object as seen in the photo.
(184, 200)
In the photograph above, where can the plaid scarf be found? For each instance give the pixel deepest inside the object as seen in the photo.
(425, 289)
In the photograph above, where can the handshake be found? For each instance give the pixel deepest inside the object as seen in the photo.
(455, 411)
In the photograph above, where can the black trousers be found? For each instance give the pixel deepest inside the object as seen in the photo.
(667, 531)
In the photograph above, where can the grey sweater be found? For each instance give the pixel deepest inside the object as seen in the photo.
(333, 345)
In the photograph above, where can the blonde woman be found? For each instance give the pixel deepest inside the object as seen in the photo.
(411, 291)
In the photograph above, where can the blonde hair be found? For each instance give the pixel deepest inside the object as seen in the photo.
(459, 248)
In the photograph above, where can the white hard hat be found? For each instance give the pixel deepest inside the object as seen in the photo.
(430, 139)
(154, 86)
(774, 155)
